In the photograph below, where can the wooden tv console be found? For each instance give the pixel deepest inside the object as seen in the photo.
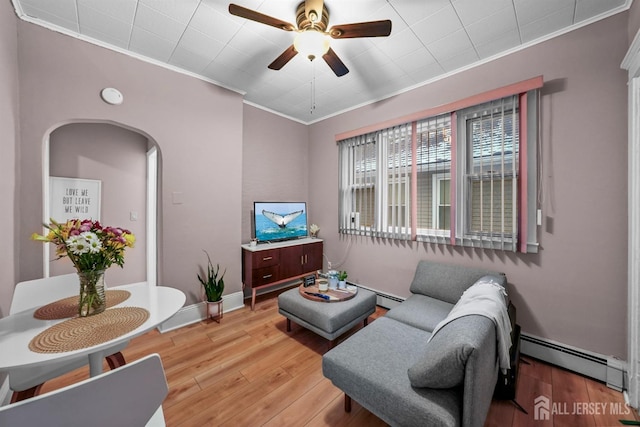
(269, 264)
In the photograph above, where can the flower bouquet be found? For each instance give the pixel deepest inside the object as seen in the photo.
(314, 229)
(92, 249)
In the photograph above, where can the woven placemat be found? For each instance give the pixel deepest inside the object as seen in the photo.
(68, 307)
(83, 332)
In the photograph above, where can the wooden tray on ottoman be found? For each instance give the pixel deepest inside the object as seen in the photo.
(335, 295)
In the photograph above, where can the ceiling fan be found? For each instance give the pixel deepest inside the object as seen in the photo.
(312, 18)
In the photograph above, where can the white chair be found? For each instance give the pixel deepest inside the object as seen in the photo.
(131, 395)
(27, 382)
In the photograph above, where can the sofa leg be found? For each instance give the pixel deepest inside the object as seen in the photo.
(366, 321)
(331, 343)
(347, 403)
(288, 325)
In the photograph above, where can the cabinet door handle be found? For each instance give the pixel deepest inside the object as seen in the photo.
(267, 276)
(267, 258)
(305, 258)
(301, 260)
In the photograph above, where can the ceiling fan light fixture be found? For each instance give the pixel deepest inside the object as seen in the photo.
(311, 43)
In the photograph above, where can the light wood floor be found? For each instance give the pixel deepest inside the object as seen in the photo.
(248, 371)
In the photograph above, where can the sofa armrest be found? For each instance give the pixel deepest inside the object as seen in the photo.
(481, 375)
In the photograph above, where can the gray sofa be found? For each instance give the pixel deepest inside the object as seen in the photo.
(392, 370)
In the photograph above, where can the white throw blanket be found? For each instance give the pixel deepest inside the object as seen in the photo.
(486, 298)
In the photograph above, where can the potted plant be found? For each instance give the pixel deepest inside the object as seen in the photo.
(342, 279)
(213, 285)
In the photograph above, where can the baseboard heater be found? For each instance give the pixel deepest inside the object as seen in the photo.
(387, 301)
(607, 369)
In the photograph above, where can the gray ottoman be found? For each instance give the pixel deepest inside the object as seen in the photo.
(327, 319)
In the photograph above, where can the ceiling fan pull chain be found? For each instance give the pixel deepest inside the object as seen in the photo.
(313, 87)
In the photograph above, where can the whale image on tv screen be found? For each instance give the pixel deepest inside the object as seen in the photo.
(276, 221)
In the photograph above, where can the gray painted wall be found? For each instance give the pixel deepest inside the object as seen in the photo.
(9, 145)
(8, 160)
(274, 162)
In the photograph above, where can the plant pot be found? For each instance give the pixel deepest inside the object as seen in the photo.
(214, 310)
(342, 284)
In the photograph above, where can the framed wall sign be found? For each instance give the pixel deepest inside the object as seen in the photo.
(71, 198)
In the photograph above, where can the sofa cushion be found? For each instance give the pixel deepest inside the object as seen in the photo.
(442, 364)
(447, 282)
(371, 367)
(420, 311)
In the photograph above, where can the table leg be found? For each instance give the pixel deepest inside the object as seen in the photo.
(95, 363)
(253, 299)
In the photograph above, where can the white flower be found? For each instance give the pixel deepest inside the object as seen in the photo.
(314, 228)
(78, 245)
(93, 242)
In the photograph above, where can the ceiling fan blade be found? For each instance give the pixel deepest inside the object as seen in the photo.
(314, 6)
(335, 63)
(284, 57)
(243, 12)
(361, 29)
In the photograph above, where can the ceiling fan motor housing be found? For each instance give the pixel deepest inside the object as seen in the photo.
(305, 23)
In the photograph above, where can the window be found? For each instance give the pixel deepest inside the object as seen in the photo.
(442, 202)
(461, 177)
(433, 166)
(375, 185)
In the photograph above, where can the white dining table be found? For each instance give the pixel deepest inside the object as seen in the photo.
(17, 330)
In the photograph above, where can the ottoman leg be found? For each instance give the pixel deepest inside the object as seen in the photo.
(366, 321)
(347, 403)
(331, 342)
(288, 325)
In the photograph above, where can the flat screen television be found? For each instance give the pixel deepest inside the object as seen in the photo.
(275, 221)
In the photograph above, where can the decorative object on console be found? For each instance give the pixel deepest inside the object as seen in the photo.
(213, 288)
(314, 229)
(277, 221)
(332, 275)
(92, 249)
(342, 279)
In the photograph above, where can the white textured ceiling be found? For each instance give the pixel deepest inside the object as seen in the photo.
(429, 39)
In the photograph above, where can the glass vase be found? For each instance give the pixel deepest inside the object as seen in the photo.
(92, 297)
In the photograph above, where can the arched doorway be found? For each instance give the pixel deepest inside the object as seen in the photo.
(125, 162)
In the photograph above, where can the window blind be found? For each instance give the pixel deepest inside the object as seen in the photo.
(374, 183)
(357, 184)
(491, 188)
(433, 164)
